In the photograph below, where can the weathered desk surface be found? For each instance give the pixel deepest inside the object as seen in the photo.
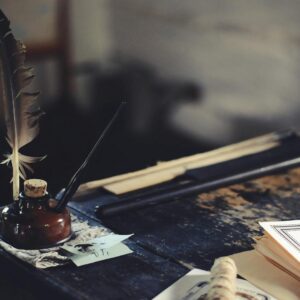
(169, 239)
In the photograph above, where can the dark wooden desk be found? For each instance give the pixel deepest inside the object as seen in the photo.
(169, 239)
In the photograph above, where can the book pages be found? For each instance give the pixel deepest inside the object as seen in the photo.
(287, 234)
(259, 271)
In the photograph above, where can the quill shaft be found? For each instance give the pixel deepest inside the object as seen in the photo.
(16, 174)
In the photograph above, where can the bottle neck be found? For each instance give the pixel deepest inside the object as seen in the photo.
(26, 202)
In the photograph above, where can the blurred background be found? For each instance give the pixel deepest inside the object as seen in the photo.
(196, 75)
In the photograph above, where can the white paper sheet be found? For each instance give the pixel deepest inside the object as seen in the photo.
(195, 283)
(98, 249)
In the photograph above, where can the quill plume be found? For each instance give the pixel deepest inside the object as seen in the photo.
(19, 108)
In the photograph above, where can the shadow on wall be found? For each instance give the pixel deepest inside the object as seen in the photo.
(245, 55)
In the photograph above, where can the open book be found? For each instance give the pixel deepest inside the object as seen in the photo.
(274, 264)
(281, 245)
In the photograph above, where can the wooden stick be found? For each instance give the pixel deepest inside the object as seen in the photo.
(166, 171)
(142, 181)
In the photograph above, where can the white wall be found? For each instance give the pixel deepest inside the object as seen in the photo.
(246, 55)
(91, 30)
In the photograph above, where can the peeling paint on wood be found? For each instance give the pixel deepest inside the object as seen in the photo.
(237, 204)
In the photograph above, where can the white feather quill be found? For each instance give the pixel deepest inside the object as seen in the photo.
(20, 111)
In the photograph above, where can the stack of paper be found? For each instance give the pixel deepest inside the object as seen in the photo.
(274, 264)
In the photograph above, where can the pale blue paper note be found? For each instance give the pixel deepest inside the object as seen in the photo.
(96, 254)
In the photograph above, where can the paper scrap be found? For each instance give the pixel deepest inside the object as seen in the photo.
(95, 255)
(110, 240)
(102, 242)
(97, 249)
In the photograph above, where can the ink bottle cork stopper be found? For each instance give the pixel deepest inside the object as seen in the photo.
(35, 188)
